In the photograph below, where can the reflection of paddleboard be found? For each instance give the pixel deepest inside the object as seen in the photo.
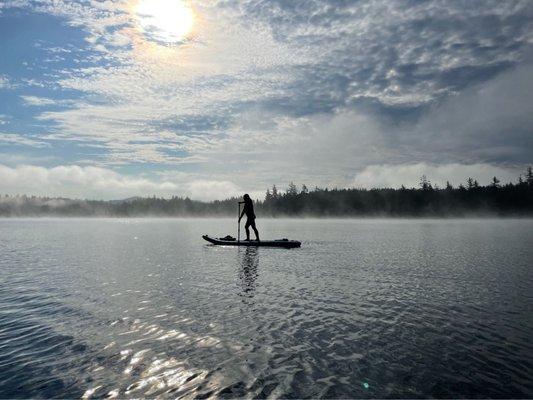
(268, 243)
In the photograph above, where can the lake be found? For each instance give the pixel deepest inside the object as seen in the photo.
(365, 308)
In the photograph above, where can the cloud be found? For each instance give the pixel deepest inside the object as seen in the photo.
(209, 190)
(77, 181)
(401, 53)
(21, 140)
(5, 82)
(490, 122)
(10, 159)
(394, 176)
(38, 101)
(183, 89)
(100, 183)
(292, 59)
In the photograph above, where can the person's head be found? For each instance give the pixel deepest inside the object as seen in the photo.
(246, 197)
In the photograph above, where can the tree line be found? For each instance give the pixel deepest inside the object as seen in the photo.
(469, 199)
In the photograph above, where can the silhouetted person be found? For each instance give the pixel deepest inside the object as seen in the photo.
(248, 209)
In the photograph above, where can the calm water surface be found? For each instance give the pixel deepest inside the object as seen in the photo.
(366, 308)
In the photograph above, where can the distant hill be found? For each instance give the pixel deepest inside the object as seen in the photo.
(128, 200)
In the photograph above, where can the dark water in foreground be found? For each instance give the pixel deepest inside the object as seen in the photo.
(372, 308)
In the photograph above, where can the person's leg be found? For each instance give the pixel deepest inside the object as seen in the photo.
(255, 229)
(247, 228)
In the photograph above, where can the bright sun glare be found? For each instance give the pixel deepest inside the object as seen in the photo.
(167, 21)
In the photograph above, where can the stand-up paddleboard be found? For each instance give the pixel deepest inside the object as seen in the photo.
(267, 243)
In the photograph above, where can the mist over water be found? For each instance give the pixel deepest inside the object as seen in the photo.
(366, 308)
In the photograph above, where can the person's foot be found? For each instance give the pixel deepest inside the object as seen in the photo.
(257, 240)
(247, 239)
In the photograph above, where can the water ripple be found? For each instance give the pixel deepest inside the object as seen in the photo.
(365, 309)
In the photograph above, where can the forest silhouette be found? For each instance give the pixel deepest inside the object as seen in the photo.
(470, 199)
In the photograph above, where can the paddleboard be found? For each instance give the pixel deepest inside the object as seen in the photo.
(266, 243)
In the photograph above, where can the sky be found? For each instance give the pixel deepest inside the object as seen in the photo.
(210, 99)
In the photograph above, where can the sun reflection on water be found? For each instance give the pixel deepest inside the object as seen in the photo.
(149, 370)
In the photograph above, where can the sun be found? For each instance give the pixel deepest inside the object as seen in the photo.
(165, 21)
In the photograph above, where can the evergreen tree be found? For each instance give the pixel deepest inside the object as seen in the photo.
(495, 182)
(275, 193)
(425, 184)
(292, 190)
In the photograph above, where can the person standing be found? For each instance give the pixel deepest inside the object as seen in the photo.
(248, 210)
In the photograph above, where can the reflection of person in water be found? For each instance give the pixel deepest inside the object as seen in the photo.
(248, 209)
(248, 271)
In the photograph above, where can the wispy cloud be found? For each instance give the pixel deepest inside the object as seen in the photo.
(5, 83)
(21, 140)
(38, 101)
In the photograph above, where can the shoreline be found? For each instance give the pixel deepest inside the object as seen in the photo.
(269, 218)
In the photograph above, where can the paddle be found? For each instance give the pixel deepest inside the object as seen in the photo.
(239, 223)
